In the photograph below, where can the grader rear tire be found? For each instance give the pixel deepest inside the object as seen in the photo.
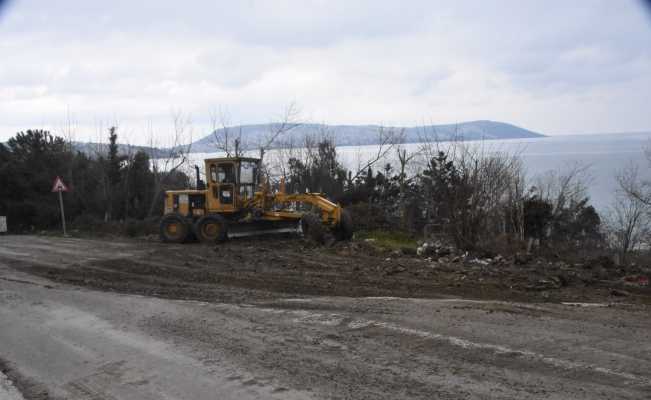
(211, 229)
(312, 228)
(173, 229)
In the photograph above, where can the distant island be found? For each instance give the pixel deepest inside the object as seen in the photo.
(359, 135)
(344, 135)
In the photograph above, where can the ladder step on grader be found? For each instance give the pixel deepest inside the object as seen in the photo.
(232, 203)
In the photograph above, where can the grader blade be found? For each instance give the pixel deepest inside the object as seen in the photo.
(263, 228)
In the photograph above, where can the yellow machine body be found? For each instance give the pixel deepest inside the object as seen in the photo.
(233, 193)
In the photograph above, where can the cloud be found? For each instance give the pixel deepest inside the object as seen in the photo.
(549, 66)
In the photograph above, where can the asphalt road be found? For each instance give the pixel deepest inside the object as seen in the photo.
(72, 342)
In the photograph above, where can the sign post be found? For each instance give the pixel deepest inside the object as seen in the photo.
(61, 187)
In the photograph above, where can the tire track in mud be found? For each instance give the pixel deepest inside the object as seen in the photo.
(292, 270)
(343, 347)
(275, 265)
(375, 357)
(305, 316)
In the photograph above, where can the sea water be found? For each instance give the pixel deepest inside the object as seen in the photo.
(603, 155)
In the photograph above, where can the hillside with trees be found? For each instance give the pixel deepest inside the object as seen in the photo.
(106, 187)
(475, 200)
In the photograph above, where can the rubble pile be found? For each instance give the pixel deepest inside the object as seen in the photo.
(435, 249)
(524, 271)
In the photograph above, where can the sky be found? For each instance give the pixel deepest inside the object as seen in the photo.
(555, 67)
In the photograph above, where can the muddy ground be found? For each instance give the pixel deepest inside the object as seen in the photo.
(292, 266)
(279, 318)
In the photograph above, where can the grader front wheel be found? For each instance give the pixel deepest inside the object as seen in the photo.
(211, 229)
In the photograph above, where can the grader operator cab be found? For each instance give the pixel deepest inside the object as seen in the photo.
(233, 202)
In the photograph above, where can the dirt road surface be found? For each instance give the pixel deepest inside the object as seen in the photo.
(100, 319)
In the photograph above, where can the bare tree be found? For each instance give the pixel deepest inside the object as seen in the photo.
(564, 186)
(638, 187)
(69, 129)
(472, 191)
(491, 181)
(288, 120)
(287, 150)
(69, 132)
(176, 154)
(290, 148)
(128, 157)
(431, 142)
(387, 140)
(515, 199)
(101, 150)
(405, 157)
(628, 222)
(226, 138)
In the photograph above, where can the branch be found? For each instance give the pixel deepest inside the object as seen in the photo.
(288, 121)
(388, 139)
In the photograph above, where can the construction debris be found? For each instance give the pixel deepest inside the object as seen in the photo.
(636, 280)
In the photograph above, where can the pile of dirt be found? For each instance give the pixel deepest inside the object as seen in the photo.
(270, 266)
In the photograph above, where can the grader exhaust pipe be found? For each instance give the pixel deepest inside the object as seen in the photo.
(200, 184)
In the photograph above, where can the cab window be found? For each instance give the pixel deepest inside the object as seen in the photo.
(248, 172)
(225, 173)
(213, 173)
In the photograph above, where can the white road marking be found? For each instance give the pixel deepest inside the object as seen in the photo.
(305, 316)
(586, 304)
(499, 349)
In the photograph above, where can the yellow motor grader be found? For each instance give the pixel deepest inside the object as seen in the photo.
(233, 202)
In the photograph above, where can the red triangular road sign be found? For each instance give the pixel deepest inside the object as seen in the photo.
(59, 186)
